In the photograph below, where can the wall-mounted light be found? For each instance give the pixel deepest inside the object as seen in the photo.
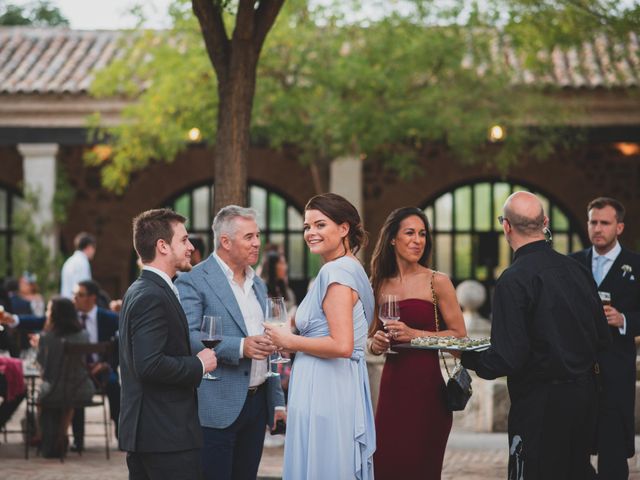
(195, 135)
(496, 134)
(627, 149)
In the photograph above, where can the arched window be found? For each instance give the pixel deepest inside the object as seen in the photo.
(279, 220)
(9, 203)
(467, 238)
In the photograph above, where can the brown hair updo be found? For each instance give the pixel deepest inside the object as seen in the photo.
(340, 210)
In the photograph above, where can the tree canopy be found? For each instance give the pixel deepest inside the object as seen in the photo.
(39, 14)
(363, 79)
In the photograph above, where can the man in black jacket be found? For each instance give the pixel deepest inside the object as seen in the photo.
(159, 425)
(616, 271)
(548, 325)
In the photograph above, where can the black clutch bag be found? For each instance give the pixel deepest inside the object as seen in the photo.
(458, 388)
(459, 384)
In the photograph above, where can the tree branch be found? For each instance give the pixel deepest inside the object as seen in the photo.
(209, 15)
(266, 15)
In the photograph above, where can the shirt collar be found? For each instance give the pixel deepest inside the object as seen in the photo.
(162, 274)
(611, 254)
(91, 314)
(248, 271)
(530, 248)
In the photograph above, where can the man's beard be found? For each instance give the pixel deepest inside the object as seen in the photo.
(185, 267)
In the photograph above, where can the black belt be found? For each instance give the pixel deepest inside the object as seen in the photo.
(253, 390)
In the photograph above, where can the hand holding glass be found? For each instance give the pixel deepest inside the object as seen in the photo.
(389, 311)
(276, 315)
(212, 335)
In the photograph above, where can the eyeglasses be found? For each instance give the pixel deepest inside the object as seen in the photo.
(502, 219)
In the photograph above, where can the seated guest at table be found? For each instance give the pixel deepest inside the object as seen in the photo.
(60, 391)
(412, 419)
(102, 326)
(12, 388)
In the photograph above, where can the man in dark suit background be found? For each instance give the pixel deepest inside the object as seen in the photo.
(616, 271)
(102, 326)
(159, 425)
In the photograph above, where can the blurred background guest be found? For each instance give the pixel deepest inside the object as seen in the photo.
(199, 249)
(412, 429)
(28, 290)
(77, 267)
(102, 326)
(274, 271)
(60, 391)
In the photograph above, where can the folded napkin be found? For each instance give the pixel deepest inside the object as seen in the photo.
(12, 370)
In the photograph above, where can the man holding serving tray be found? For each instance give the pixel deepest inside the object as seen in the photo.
(548, 326)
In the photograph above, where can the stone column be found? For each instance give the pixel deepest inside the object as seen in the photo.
(39, 170)
(346, 179)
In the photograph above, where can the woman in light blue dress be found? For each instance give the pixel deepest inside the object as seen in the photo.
(330, 421)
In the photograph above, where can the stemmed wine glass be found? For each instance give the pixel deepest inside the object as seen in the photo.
(388, 311)
(211, 327)
(276, 315)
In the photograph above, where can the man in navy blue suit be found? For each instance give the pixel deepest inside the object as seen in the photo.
(102, 326)
(616, 271)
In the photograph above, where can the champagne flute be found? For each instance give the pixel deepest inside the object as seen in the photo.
(388, 311)
(211, 327)
(276, 314)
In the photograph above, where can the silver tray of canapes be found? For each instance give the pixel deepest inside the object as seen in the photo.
(433, 342)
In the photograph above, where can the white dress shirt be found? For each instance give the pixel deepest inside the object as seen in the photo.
(608, 259)
(252, 314)
(74, 270)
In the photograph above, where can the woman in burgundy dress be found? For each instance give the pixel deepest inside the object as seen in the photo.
(412, 420)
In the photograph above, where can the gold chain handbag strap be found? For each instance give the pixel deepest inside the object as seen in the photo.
(435, 315)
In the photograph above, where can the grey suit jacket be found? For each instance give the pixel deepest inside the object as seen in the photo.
(205, 290)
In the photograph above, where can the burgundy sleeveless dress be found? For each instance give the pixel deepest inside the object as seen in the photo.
(412, 420)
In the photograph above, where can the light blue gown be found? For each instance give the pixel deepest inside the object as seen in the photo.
(330, 421)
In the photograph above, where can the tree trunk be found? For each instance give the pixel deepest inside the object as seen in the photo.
(232, 137)
(235, 61)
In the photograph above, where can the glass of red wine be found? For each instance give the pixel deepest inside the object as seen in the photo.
(211, 329)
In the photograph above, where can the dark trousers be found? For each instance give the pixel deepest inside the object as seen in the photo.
(183, 465)
(553, 432)
(611, 447)
(113, 394)
(234, 453)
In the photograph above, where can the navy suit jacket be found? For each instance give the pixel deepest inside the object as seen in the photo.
(618, 362)
(108, 330)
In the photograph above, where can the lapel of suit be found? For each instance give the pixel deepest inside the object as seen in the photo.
(260, 289)
(220, 287)
(173, 300)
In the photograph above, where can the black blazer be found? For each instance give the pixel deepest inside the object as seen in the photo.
(159, 373)
(618, 362)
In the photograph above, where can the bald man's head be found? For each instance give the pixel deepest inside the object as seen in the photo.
(524, 212)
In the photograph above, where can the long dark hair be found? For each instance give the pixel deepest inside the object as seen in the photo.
(383, 261)
(340, 210)
(276, 287)
(64, 318)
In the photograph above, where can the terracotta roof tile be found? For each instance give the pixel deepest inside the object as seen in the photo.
(59, 60)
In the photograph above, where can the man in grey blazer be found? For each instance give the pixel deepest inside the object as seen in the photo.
(158, 420)
(234, 410)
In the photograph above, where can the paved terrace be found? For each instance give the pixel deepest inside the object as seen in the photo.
(470, 456)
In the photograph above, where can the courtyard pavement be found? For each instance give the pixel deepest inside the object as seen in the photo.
(470, 456)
